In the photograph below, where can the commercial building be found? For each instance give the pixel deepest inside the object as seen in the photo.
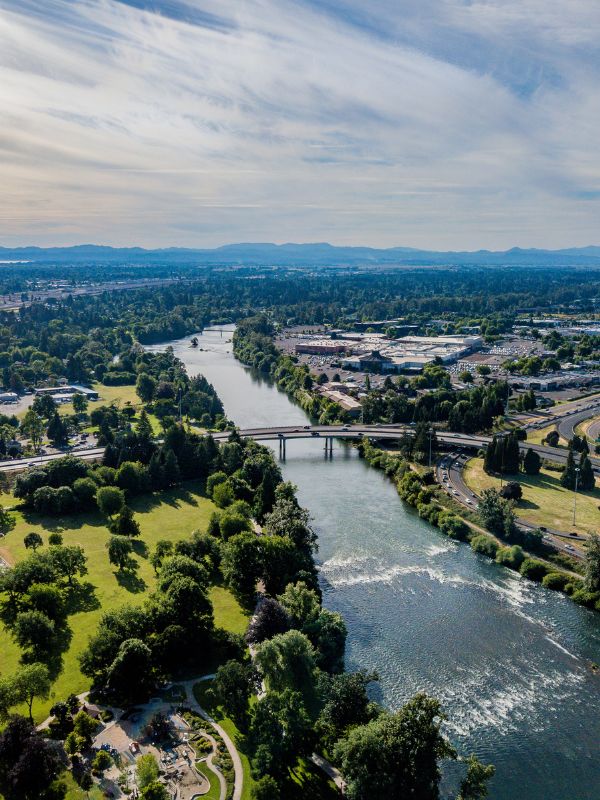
(8, 397)
(65, 393)
(318, 348)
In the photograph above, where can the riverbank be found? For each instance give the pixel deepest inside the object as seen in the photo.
(508, 659)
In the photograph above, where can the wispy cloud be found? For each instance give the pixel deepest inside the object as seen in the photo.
(437, 123)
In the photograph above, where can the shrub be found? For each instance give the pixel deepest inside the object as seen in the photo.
(485, 544)
(586, 598)
(534, 570)
(511, 557)
(556, 580)
(453, 526)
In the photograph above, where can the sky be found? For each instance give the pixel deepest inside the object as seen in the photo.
(441, 124)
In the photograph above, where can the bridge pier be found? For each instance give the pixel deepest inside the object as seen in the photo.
(282, 448)
(329, 446)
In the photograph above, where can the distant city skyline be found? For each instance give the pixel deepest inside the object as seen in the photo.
(433, 124)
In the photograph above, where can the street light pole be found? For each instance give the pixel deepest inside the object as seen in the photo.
(431, 432)
(575, 494)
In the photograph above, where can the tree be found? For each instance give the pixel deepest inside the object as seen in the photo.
(163, 549)
(46, 598)
(131, 675)
(55, 539)
(33, 630)
(31, 681)
(110, 500)
(592, 563)
(85, 726)
(474, 784)
(102, 760)
(29, 763)
(146, 770)
(281, 732)
(33, 426)
(7, 520)
(270, 618)
(532, 462)
(396, 755)
(587, 479)
(58, 432)
(232, 687)
(287, 661)
(301, 603)
(346, 704)
(124, 523)
(266, 788)
(145, 387)
(496, 513)
(511, 491)
(242, 565)
(68, 561)
(567, 478)
(328, 635)
(80, 403)
(32, 541)
(119, 552)
(74, 744)
(154, 791)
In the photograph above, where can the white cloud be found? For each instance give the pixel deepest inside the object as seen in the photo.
(435, 123)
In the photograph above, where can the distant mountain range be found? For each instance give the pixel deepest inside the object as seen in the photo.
(318, 255)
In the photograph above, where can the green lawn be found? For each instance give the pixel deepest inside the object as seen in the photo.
(545, 502)
(171, 515)
(214, 793)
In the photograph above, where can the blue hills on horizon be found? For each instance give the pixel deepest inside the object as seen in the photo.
(316, 254)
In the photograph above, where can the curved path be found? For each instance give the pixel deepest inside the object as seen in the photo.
(235, 756)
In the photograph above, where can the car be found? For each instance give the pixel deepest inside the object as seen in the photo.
(573, 533)
(346, 428)
(315, 433)
(33, 464)
(307, 427)
(570, 548)
(470, 502)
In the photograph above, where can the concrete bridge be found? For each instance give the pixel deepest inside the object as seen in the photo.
(356, 432)
(326, 434)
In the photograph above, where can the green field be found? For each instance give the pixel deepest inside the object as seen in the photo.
(171, 515)
(545, 502)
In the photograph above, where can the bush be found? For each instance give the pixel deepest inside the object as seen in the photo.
(534, 570)
(453, 526)
(485, 544)
(586, 598)
(556, 580)
(511, 557)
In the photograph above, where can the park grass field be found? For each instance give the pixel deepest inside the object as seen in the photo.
(545, 502)
(169, 515)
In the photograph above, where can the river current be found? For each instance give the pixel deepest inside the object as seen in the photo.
(508, 659)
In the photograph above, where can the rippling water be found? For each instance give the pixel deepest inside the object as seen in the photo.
(509, 660)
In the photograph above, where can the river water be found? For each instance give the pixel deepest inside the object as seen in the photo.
(509, 660)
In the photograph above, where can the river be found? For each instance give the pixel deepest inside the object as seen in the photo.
(509, 660)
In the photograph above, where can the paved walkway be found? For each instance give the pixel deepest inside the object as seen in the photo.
(235, 756)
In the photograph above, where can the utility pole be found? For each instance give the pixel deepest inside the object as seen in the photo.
(575, 494)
